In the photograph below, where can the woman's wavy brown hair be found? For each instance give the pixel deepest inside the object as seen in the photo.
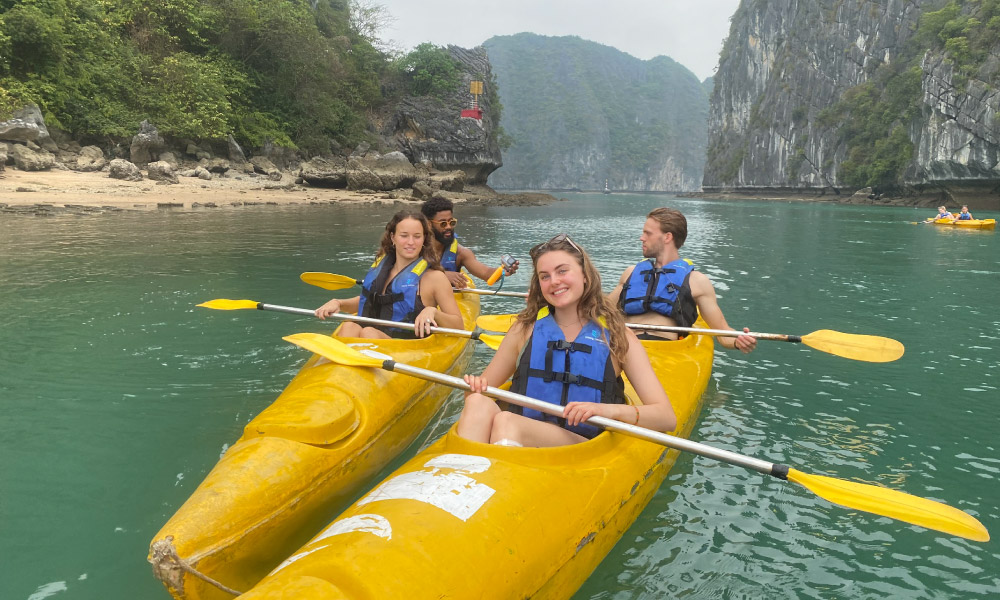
(593, 303)
(385, 245)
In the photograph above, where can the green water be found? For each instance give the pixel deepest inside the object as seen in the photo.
(117, 395)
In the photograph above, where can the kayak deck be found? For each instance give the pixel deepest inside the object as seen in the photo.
(300, 460)
(504, 522)
(971, 223)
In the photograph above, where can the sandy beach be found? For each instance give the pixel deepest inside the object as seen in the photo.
(61, 188)
(57, 190)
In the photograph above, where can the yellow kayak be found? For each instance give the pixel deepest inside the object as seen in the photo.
(300, 461)
(464, 519)
(971, 223)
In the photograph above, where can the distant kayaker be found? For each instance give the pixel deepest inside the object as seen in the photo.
(565, 303)
(405, 284)
(965, 215)
(452, 255)
(943, 213)
(665, 289)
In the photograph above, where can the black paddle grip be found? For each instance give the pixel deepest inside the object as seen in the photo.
(795, 338)
(779, 471)
(389, 365)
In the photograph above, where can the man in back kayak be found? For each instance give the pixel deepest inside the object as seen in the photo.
(665, 289)
(452, 255)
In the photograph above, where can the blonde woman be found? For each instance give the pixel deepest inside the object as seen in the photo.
(569, 346)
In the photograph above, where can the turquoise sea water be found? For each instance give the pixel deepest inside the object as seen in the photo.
(117, 395)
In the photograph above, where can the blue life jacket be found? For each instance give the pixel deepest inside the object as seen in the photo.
(964, 217)
(665, 290)
(401, 300)
(449, 256)
(557, 371)
(945, 215)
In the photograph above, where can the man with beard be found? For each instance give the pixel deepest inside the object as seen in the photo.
(452, 255)
(665, 289)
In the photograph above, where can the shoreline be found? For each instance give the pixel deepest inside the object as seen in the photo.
(58, 191)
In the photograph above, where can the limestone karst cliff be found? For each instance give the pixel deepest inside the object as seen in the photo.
(830, 96)
(580, 113)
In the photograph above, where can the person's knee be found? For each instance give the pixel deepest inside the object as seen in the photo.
(350, 330)
(478, 404)
(505, 426)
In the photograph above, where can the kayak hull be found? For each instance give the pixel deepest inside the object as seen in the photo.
(970, 224)
(300, 461)
(466, 519)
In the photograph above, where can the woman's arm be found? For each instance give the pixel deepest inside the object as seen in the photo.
(504, 361)
(349, 305)
(656, 412)
(440, 310)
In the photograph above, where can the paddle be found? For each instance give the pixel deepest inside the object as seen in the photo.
(493, 341)
(860, 496)
(869, 348)
(330, 281)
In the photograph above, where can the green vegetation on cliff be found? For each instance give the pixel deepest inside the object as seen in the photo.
(297, 72)
(874, 117)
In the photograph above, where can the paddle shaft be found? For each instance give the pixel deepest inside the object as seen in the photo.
(491, 293)
(777, 337)
(761, 466)
(339, 282)
(367, 320)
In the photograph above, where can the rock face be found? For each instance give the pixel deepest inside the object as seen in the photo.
(146, 144)
(581, 113)
(431, 130)
(25, 125)
(27, 159)
(787, 62)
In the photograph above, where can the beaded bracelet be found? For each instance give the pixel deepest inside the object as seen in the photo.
(636, 414)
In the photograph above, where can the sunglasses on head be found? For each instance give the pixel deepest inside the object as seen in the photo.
(446, 222)
(553, 244)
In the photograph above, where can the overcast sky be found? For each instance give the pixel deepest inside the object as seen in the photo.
(688, 31)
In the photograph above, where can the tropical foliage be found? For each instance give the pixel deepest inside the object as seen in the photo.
(296, 72)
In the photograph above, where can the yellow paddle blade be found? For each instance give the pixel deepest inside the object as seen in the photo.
(328, 281)
(225, 304)
(493, 341)
(333, 350)
(496, 322)
(893, 504)
(870, 348)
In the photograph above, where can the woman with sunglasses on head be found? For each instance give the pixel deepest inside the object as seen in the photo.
(405, 284)
(569, 346)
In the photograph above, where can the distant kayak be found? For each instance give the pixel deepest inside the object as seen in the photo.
(970, 223)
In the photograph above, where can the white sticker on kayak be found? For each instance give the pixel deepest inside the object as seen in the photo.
(463, 463)
(452, 492)
(374, 524)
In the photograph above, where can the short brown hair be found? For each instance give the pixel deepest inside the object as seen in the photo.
(671, 221)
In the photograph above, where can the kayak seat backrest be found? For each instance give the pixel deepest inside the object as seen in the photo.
(320, 413)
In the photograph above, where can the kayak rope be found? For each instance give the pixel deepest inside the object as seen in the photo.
(166, 562)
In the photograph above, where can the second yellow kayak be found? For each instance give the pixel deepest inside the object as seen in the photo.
(300, 461)
(469, 520)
